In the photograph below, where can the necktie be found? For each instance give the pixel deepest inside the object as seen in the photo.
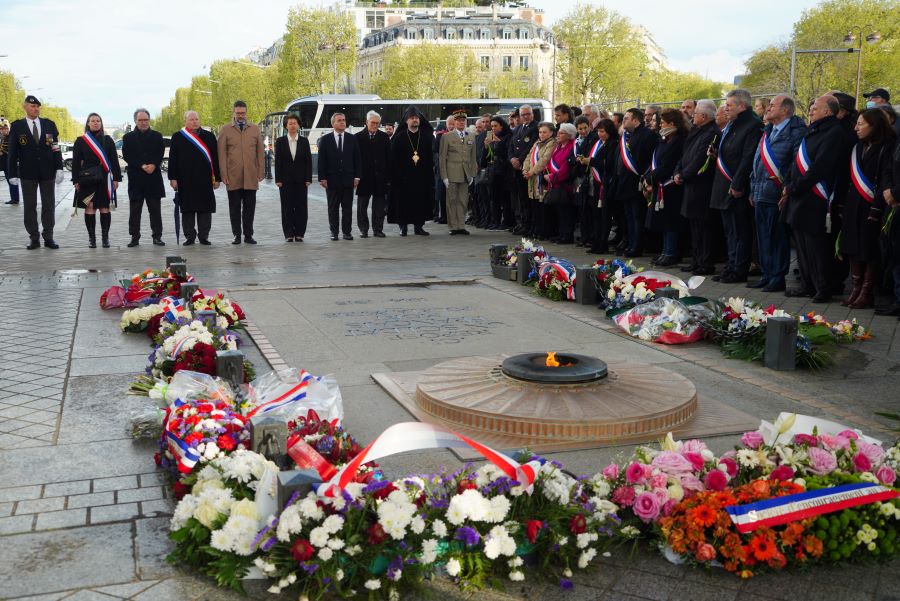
(340, 142)
(34, 132)
(371, 136)
(241, 125)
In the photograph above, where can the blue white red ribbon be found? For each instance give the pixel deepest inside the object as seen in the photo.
(625, 154)
(563, 271)
(292, 395)
(803, 162)
(767, 156)
(859, 179)
(594, 150)
(809, 504)
(196, 141)
(173, 308)
(104, 162)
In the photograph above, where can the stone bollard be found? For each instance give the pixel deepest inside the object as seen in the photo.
(230, 367)
(188, 291)
(178, 269)
(174, 259)
(498, 252)
(295, 481)
(585, 288)
(781, 343)
(202, 316)
(667, 292)
(268, 436)
(524, 265)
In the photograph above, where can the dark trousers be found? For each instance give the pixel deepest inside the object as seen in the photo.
(701, 242)
(522, 203)
(737, 222)
(599, 226)
(242, 209)
(48, 207)
(340, 208)
(499, 201)
(196, 225)
(379, 210)
(814, 259)
(136, 200)
(565, 214)
(635, 207)
(773, 239)
(482, 204)
(294, 196)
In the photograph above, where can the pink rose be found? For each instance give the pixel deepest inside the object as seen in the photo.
(659, 481)
(821, 462)
(861, 463)
(873, 452)
(696, 460)
(693, 446)
(691, 483)
(668, 507)
(705, 552)
(849, 434)
(611, 471)
(634, 473)
(672, 464)
(662, 494)
(646, 506)
(830, 442)
(782, 472)
(806, 439)
(716, 480)
(886, 475)
(731, 466)
(623, 496)
(752, 440)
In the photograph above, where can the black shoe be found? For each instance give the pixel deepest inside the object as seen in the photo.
(421, 232)
(92, 242)
(518, 230)
(718, 278)
(379, 235)
(105, 243)
(348, 237)
(893, 309)
(760, 283)
(776, 287)
(51, 244)
(12, 202)
(249, 240)
(188, 242)
(632, 253)
(821, 298)
(754, 270)
(690, 268)
(237, 240)
(134, 242)
(454, 232)
(205, 242)
(364, 235)
(733, 278)
(464, 232)
(704, 271)
(403, 231)
(33, 245)
(798, 293)
(667, 260)
(334, 237)
(158, 242)
(623, 246)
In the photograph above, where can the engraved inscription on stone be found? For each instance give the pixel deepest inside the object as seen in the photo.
(445, 325)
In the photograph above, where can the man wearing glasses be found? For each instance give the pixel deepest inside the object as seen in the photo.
(143, 150)
(242, 165)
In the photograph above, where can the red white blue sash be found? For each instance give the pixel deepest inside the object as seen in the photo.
(594, 150)
(196, 141)
(803, 162)
(859, 179)
(104, 162)
(535, 152)
(809, 504)
(768, 160)
(625, 153)
(720, 164)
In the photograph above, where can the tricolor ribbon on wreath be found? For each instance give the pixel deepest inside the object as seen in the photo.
(293, 394)
(104, 162)
(564, 270)
(173, 308)
(803, 162)
(417, 436)
(186, 456)
(859, 179)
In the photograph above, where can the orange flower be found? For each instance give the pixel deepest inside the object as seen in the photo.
(760, 488)
(813, 545)
(777, 561)
(763, 547)
(791, 534)
(703, 515)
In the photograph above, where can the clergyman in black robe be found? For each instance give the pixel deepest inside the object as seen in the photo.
(412, 173)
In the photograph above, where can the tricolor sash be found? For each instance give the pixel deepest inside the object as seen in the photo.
(552, 167)
(859, 179)
(196, 141)
(803, 162)
(625, 154)
(104, 162)
(768, 160)
(594, 150)
(809, 504)
(539, 181)
(720, 164)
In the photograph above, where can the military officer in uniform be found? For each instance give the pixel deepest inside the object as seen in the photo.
(458, 168)
(36, 162)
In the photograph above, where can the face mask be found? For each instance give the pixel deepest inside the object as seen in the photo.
(870, 104)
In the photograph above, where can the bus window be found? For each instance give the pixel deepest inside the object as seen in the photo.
(307, 113)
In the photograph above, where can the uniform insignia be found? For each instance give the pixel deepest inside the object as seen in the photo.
(527, 139)
(23, 140)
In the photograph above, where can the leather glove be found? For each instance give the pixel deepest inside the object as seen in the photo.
(14, 181)
(60, 175)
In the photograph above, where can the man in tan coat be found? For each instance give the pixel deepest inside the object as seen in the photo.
(458, 169)
(241, 163)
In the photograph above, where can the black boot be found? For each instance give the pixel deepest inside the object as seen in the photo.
(105, 220)
(90, 222)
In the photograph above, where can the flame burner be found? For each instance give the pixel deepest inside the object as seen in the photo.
(539, 368)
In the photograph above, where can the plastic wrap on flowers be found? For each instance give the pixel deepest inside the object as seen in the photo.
(556, 279)
(291, 392)
(663, 320)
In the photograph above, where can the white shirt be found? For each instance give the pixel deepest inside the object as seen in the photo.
(336, 138)
(292, 144)
(32, 123)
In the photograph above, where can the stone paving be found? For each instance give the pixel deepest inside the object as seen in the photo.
(83, 516)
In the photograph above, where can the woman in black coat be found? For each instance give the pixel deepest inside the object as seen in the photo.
(864, 205)
(664, 214)
(496, 158)
(96, 176)
(602, 162)
(293, 175)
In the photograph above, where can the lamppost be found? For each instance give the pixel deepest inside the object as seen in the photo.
(337, 48)
(849, 39)
(551, 38)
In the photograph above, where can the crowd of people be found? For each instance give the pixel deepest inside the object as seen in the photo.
(744, 179)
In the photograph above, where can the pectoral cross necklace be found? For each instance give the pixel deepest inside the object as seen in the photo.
(415, 154)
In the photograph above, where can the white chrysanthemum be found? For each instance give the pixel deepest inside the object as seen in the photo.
(373, 585)
(336, 544)
(417, 525)
(453, 567)
(515, 562)
(354, 550)
(318, 537)
(439, 528)
(309, 509)
(586, 557)
(499, 509)
(289, 523)
(584, 539)
(517, 576)
(429, 551)
(183, 512)
(333, 523)
(498, 542)
(325, 553)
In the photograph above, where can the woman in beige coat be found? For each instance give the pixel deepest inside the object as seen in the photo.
(242, 164)
(533, 170)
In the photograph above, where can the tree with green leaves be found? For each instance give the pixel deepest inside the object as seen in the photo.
(426, 70)
(514, 84)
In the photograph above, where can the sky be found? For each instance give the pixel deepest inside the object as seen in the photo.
(112, 56)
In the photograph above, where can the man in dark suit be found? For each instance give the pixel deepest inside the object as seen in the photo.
(731, 187)
(339, 173)
(375, 155)
(143, 151)
(36, 162)
(632, 162)
(293, 175)
(523, 138)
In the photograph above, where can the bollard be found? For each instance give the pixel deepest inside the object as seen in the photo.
(202, 316)
(178, 270)
(585, 288)
(498, 253)
(295, 481)
(188, 291)
(268, 436)
(174, 259)
(230, 367)
(667, 292)
(524, 265)
(781, 343)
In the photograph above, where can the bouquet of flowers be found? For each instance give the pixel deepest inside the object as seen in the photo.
(138, 319)
(189, 344)
(525, 245)
(227, 308)
(607, 271)
(845, 330)
(556, 279)
(663, 320)
(629, 291)
(146, 287)
(330, 440)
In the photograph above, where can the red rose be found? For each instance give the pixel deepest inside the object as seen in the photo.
(179, 489)
(716, 480)
(224, 441)
(532, 529)
(193, 420)
(205, 407)
(578, 524)
(193, 438)
(376, 533)
(302, 550)
(464, 486)
(782, 472)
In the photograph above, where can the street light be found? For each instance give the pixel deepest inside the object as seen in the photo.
(849, 39)
(337, 48)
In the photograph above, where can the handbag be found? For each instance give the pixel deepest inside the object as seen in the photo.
(556, 196)
(90, 175)
(485, 176)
